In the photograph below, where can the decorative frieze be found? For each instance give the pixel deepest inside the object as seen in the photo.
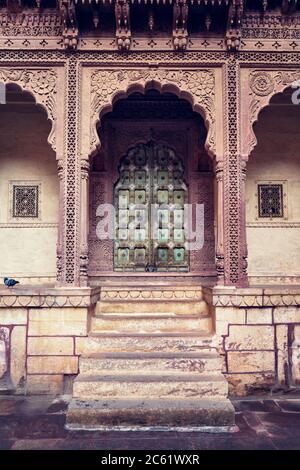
(30, 23)
(47, 298)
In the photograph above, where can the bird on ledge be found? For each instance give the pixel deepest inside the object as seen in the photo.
(10, 282)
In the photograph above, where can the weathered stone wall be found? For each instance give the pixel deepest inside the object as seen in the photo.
(28, 244)
(274, 244)
(259, 333)
(38, 342)
(257, 330)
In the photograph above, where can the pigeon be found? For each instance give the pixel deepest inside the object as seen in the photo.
(150, 269)
(10, 282)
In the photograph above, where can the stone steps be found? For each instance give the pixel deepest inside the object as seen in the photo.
(153, 362)
(208, 415)
(150, 360)
(138, 342)
(128, 384)
(150, 323)
(158, 306)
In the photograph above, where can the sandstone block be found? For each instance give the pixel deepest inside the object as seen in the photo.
(18, 355)
(52, 364)
(58, 322)
(44, 384)
(251, 361)
(13, 316)
(287, 314)
(50, 346)
(282, 351)
(226, 315)
(250, 337)
(259, 315)
(248, 384)
(4, 342)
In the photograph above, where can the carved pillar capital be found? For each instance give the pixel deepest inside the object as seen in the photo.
(219, 171)
(85, 168)
(60, 169)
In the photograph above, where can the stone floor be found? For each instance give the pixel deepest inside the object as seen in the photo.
(267, 422)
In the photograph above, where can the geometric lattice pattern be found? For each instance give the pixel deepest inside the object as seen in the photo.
(25, 201)
(270, 200)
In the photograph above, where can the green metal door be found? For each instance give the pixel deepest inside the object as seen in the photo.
(149, 200)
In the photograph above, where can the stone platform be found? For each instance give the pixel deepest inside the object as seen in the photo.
(38, 423)
(150, 360)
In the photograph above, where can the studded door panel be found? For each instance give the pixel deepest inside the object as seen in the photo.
(149, 200)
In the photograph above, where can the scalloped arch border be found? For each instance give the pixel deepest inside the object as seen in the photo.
(195, 86)
(276, 82)
(41, 84)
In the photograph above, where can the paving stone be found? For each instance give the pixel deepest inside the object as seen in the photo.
(271, 405)
(281, 424)
(289, 405)
(248, 405)
(286, 444)
(37, 423)
(6, 444)
(10, 406)
(39, 444)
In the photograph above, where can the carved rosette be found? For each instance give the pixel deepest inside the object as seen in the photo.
(198, 84)
(42, 84)
(263, 84)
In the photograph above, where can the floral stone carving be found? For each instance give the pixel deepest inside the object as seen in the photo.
(263, 84)
(42, 84)
(199, 84)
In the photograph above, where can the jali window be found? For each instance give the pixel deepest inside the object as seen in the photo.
(25, 201)
(270, 200)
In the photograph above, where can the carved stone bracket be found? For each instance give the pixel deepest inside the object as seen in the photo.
(197, 86)
(42, 84)
(180, 33)
(123, 33)
(262, 86)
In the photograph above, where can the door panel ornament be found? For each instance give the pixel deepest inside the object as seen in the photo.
(149, 199)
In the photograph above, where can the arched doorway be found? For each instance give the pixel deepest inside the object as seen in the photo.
(29, 191)
(149, 198)
(272, 195)
(156, 135)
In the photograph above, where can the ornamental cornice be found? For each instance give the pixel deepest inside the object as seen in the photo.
(52, 299)
(256, 297)
(158, 295)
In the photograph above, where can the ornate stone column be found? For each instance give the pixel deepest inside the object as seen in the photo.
(235, 249)
(84, 221)
(72, 182)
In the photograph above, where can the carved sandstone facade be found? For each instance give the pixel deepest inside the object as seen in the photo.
(107, 82)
